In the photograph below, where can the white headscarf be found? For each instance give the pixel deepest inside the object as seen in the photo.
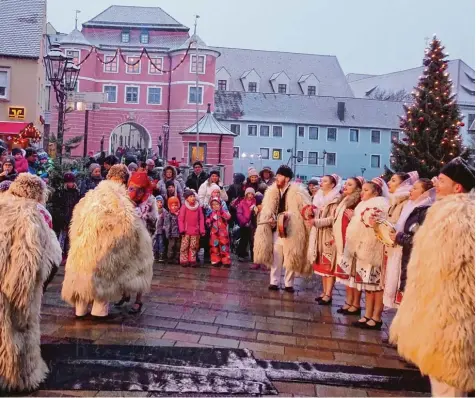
(320, 200)
(405, 187)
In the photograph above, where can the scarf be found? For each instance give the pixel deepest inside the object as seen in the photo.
(190, 207)
(320, 199)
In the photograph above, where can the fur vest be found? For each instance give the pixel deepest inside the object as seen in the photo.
(295, 245)
(434, 327)
(111, 249)
(28, 250)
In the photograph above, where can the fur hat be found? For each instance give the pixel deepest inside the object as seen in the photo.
(93, 166)
(29, 186)
(4, 185)
(119, 171)
(188, 192)
(460, 172)
(159, 198)
(249, 190)
(285, 171)
(69, 177)
(252, 172)
(173, 200)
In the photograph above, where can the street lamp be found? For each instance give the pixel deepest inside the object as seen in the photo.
(165, 131)
(63, 75)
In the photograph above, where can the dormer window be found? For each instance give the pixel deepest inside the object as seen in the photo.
(144, 37)
(252, 87)
(282, 88)
(125, 37)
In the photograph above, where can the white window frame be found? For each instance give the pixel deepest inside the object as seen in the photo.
(157, 72)
(269, 152)
(379, 137)
(380, 160)
(204, 63)
(74, 49)
(226, 84)
(129, 66)
(117, 92)
(239, 128)
(276, 149)
(248, 130)
(269, 131)
(327, 134)
(116, 62)
(309, 133)
(398, 138)
(304, 129)
(125, 94)
(304, 157)
(188, 95)
(239, 152)
(330, 165)
(317, 159)
(272, 131)
(358, 134)
(9, 83)
(148, 88)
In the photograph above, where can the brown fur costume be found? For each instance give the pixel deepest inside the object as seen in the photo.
(295, 245)
(434, 327)
(28, 249)
(111, 250)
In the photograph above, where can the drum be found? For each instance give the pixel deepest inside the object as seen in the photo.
(282, 224)
(308, 211)
(382, 232)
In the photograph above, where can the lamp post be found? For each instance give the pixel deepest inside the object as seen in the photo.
(159, 147)
(63, 76)
(165, 131)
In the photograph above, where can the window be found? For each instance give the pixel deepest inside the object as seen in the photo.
(313, 133)
(375, 161)
(156, 65)
(133, 65)
(282, 88)
(354, 135)
(330, 159)
(375, 136)
(252, 87)
(311, 90)
(201, 64)
(277, 154)
(264, 152)
(252, 130)
(154, 95)
(110, 64)
(73, 54)
(235, 128)
(470, 120)
(301, 131)
(264, 131)
(132, 95)
(4, 83)
(194, 96)
(331, 134)
(111, 92)
(221, 85)
(125, 37)
(395, 136)
(312, 157)
(144, 37)
(278, 131)
(300, 156)
(236, 151)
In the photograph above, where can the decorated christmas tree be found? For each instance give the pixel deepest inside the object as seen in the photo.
(431, 124)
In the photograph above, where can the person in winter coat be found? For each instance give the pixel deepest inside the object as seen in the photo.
(8, 170)
(244, 214)
(172, 230)
(217, 222)
(215, 194)
(192, 226)
(21, 164)
(267, 176)
(92, 181)
(159, 236)
(169, 175)
(31, 155)
(28, 250)
(235, 193)
(253, 181)
(313, 187)
(111, 249)
(197, 178)
(205, 191)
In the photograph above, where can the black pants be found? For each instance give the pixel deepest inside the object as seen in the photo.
(246, 238)
(54, 270)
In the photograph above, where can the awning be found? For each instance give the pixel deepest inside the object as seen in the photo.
(12, 127)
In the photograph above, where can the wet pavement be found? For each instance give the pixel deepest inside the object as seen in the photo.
(231, 308)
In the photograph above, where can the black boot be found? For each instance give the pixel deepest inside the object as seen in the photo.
(161, 258)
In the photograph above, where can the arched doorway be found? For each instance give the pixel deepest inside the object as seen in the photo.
(130, 135)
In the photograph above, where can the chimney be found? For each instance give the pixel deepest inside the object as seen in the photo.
(341, 110)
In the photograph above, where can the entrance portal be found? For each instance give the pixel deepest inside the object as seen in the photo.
(130, 135)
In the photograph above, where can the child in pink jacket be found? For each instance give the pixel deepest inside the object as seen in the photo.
(191, 226)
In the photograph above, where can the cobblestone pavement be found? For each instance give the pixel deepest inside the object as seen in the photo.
(209, 307)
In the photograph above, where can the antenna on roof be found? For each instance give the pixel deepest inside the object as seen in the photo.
(76, 19)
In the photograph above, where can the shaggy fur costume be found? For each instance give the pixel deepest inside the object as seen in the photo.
(28, 249)
(434, 327)
(111, 250)
(295, 245)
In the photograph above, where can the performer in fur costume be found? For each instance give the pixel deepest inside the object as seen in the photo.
(28, 250)
(270, 249)
(111, 249)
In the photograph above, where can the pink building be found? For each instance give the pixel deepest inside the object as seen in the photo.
(143, 92)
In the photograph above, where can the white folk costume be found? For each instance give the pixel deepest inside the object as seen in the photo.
(111, 250)
(28, 250)
(434, 326)
(363, 253)
(289, 252)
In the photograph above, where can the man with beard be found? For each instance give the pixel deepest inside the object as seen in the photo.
(277, 251)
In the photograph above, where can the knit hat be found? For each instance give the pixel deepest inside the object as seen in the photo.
(93, 166)
(379, 181)
(10, 160)
(119, 171)
(460, 172)
(173, 200)
(361, 180)
(249, 190)
(285, 171)
(214, 187)
(42, 155)
(132, 167)
(215, 200)
(259, 198)
(4, 185)
(188, 192)
(252, 172)
(69, 177)
(140, 179)
(16, 151)
(159, 198)
(29, 186)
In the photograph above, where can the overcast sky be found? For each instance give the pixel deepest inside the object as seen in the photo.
(367, 36)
